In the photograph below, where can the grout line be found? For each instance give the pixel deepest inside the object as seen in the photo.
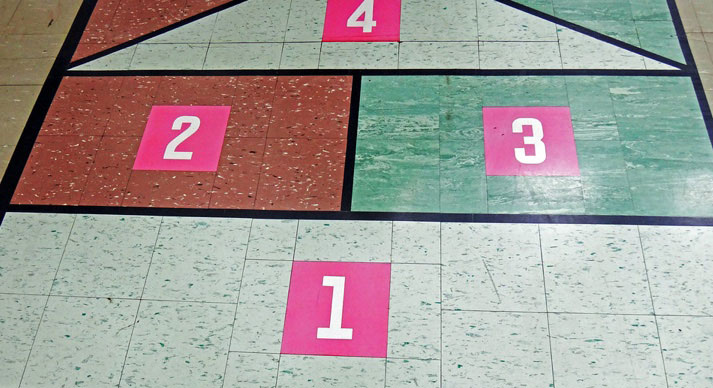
(42, 315)
(440, 298)
(547, 314)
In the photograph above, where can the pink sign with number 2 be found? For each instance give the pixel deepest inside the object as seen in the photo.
(183, 138)
(362, 21)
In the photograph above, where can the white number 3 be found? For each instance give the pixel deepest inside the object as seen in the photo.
(171, 153)
(366, 8)
(535, 139)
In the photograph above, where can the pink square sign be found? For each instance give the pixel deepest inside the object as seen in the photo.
(337, 309)
(533, 140)
(183, 138)
(362, 21)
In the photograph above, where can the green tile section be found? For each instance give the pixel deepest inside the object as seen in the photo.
(642, 146)
(642, 23)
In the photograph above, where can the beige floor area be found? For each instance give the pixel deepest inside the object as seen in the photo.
(32, 32)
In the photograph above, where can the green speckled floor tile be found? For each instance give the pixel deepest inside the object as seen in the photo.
(659, 36)
(592, 109)
(598, 157)
(524, 91)
(535, 194)
(593, 10)
(650, 10)
(462, 177)
(607, 194)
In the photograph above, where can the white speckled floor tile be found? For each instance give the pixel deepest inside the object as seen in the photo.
(438, 55)
(198, 31)
(361, 55)
(243, 56)
(31, 247)
(580, 51)
(413, 373)
(179, 344)
(415, 312)
(592, 351)
(492, 267)
(81, 342)
(272, 239)
(342, 372)
(306, 21)
(300, 55)
(358, 241)
(198, 259)
(500, 22)
(120, 60)
(261, 312)
(19, 317)
(656, 65)
(520, 55)
(107, 256)
(678, 260)
(595, 269)
(687, 344)
(169, 56)
(417, 242)
(486, 349)
(252, 21)
(251, 370)
(439, 20)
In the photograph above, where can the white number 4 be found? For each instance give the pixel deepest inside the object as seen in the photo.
(335, 329)
(171, 153)
(536, 140)
(367, 9)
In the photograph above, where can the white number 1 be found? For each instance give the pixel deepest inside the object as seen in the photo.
(335, 329)
(170, 152)
(367, 9)
(536, 140)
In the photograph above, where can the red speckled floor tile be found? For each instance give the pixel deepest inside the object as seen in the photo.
(284, 146)
(312, 107)
(302, 174)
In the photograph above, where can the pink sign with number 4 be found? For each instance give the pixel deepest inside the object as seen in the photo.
(362, 21)
(337, 309)
(183, 138)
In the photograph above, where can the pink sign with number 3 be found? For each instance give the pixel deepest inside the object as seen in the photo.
(183, 138)
(362, 21)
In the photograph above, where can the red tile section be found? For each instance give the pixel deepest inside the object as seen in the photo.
(284, 148)
(117, 21)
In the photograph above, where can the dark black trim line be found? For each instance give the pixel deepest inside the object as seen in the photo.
(368, 216)
(350, 156)
(593, 34)
(42, 104)
(150, 35)
(384, 72)
(691, 61)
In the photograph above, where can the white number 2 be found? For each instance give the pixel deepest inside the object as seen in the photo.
(535, 139)
(335, 329)
(367, 9)
(171, 153)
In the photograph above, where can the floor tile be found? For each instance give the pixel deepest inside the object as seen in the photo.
(594, 269)
(16, 102)
(236, 181)
(20, 317)
(107, 256)
(81, 341)
(169, 189)
(606, 351)
(358, 241)
(306, 371)
(31, 247)
(416, 242)
(520, 55)
(120, 60)
(110, 172)
(173, 56)
(678, 262)
(198, 259)
(438, 20)
(535, 194)
(252, 22)
(686, 342)
(462, 177)
(495, 349)
(243, 56)
(492, 267)
(500, 22)
(415, 312)
(576, 52)
(413, 373)
(272, 240)
(132, 105)
(251, 370)
(363, 55)
(442, 55)
(300, 55)
(43, 17)
(198, 31)
(261, 310)
(306, 21)
(178, 343)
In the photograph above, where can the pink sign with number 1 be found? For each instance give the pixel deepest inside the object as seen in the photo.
(362, 21)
